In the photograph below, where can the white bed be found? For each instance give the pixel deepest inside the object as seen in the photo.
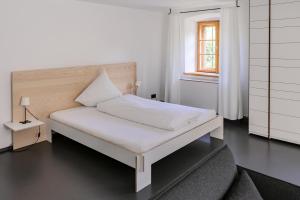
(132, 136)
(137, 145)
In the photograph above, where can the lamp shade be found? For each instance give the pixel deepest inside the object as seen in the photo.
(25, 101)
(138, 84)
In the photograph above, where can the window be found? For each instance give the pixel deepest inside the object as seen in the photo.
(208, 47)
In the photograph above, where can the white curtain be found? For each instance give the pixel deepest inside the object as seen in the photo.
(230, 97)
(190, 46)
(175, 60)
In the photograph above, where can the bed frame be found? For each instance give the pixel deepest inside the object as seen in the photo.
(50, 92)
(140, 162)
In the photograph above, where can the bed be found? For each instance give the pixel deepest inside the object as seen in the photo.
(134, 144)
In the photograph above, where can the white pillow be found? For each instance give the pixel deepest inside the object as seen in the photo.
(102, 89)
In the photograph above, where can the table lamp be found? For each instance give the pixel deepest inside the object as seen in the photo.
(138, 84)
(25, 101)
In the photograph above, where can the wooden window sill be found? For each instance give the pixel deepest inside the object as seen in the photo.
(214, 75)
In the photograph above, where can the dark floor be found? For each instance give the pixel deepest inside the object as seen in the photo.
(274, 158)
(67, 170)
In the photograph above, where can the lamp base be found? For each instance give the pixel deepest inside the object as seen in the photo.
(25, 122)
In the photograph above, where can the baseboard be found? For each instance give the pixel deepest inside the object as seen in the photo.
(10, 148)
(245, 121)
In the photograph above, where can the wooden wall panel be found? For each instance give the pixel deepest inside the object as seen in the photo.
(259, 35)
(259, 51)
(285, 71)
(285, 87)
(286, 136)
(285, 51)
(284, 95)
(286, 34)
(258, 130)
(280, 23)
(259, 62)
(289, 63)
(291, 124)
(278, 2)
(258, 73)
(258, 85)
(259, 103)
(258, 123)
(280, 106)
(290, 108)
(258, 69)
(259, 92)
(258, 2)
(285, 75)
(259, 24)
(260, 118)
(258, 13)
(285, 9)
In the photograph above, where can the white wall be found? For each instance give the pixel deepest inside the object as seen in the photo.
(199, 93)
(57, 33)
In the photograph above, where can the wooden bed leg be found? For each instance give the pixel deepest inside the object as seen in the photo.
(219, 132)
(142, 173)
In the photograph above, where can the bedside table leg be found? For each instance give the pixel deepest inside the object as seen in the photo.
(48, 130)
(49, 134)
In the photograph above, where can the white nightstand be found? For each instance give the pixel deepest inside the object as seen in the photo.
(16, 127)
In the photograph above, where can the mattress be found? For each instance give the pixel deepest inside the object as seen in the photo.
(130, 135)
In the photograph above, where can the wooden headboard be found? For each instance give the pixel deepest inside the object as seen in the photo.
(51, 90)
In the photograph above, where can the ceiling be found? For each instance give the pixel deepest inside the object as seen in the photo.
(161, 4)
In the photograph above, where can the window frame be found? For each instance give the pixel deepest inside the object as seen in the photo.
(200, 29)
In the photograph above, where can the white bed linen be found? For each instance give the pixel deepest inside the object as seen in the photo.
(151, 113)
(133, 136)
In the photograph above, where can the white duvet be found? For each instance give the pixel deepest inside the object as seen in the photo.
(152, 113)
